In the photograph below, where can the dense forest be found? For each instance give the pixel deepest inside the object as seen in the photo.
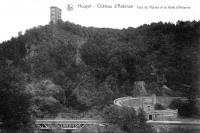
(67, 70)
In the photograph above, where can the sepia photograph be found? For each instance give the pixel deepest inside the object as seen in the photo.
(99, 66)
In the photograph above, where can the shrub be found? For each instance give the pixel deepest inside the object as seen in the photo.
(185, 108)
(126, 119)
(159, 107)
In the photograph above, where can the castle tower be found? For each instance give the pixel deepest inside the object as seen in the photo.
(55, 14)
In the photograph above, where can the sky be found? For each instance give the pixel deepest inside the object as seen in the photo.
(19, 15)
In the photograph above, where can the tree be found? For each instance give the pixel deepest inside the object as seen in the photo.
(159, 107)
(185, 108)
(126, 119)
(91, 93)
(47, 98)
(14, 102)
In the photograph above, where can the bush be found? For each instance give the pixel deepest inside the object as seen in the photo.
(159, 107)
(185, 108)
(126, 119)
(175, 104)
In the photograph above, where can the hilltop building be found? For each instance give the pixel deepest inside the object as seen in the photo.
(55, 14)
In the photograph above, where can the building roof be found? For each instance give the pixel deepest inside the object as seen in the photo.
(55, 7)
(163, 111)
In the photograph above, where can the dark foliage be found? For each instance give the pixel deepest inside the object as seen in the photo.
(14, 102)
(64, 54)
(159, 107)
(126, 119)
(185, 108)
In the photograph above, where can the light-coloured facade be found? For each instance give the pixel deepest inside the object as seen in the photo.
(55, 14)
(160, 115)
(148, 103)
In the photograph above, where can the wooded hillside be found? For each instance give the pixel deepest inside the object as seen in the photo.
(75, 69)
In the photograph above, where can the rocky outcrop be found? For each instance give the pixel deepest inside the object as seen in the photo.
(140, 87)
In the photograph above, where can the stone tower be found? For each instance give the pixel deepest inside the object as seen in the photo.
(55, 14)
